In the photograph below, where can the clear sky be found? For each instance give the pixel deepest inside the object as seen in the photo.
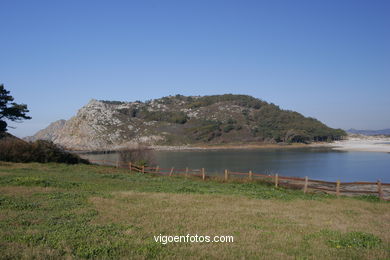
(326, 59)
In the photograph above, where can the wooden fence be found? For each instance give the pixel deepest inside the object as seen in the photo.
(382, 190)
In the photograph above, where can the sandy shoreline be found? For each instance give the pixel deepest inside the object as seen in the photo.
(354, 143)
(363, 144)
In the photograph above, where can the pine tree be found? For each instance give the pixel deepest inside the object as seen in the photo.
(10, 110)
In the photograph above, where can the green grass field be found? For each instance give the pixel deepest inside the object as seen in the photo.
(80, 211)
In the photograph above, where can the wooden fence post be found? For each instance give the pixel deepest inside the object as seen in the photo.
(186, 171)
(226, 175)
(338, 188)
(130, 166)
(203, 174)
(305, 186)
(250, 175)
(157, 168)
(117, 163)
(170, 174)
(380, 192)
(143, 168)
(276, 180)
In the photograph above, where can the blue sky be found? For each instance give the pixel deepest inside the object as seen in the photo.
(325, 59)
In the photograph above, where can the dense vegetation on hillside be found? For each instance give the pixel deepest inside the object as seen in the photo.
(254, 120)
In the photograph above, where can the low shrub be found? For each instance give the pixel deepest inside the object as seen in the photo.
(138, 154)
(13, 149)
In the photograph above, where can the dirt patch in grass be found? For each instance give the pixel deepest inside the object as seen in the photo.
(25, 191)
(10, 165)
(26, 252)
(4, 173)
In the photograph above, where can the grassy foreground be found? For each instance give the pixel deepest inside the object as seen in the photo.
(62, 211)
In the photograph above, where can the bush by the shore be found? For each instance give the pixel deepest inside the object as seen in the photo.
(139, 154)
(13, 149)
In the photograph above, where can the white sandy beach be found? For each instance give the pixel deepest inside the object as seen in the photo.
(363, 143)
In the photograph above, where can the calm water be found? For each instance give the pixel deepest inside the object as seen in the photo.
(317, 163)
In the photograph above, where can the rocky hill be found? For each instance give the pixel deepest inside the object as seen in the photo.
(184, 120)
(49, 133)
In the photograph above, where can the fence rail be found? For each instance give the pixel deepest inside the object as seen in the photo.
(306, 184)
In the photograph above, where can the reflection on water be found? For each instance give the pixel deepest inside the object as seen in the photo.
(317, 163)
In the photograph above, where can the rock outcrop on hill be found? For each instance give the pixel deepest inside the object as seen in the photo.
(182, 120)
(49, 133)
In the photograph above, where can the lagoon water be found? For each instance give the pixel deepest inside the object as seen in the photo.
(316, 163)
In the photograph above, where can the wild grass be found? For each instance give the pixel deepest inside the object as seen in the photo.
(83, 211)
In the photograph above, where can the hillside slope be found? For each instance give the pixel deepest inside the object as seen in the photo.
(49, 133)
(181, 120)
